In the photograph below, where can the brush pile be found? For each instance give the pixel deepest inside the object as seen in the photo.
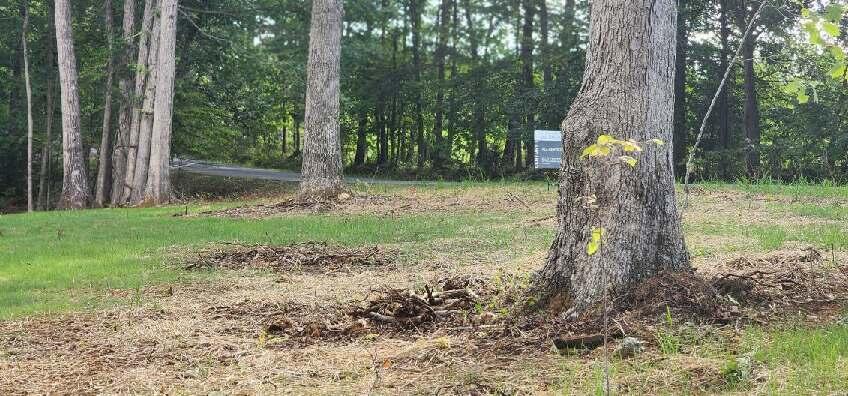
(306, 257)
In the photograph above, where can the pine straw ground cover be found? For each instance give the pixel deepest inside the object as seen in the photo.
(444, 316)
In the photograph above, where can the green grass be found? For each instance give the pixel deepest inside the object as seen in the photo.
(803, 359)
(49, 260)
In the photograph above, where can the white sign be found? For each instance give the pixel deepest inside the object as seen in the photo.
(548, 149)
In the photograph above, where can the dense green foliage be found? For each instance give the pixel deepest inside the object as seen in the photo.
(441, 88)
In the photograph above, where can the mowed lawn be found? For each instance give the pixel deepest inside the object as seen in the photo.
(58, 262)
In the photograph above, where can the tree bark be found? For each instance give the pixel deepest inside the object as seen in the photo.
(158, 188)
(146, 114)
(627, 92)
(24, 30)
(479, 117)
(75, 192)
(103, 186)
(681, 131)
(125, 110)
(322, 158)
(144, 80)
(439, 60)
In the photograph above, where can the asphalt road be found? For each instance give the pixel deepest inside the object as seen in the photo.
(228, 170)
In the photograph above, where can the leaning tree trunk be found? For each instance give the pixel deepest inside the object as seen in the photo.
(627, 92)
(322, 153)
(75, 193)
(103, 185)
(158, 189)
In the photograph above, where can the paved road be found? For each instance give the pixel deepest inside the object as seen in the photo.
(227, 170)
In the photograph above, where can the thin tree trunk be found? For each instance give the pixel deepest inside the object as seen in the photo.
(752, 110)
(44, 176)
(439, 60)
(361, 140)
(146, 115)
(158, 188)
(75, 192)
(125, 110)
(322, 157)
(479, 127)
(527, 81)
(24, 30)
(143, 80)
(103, 186)
(724, 96)
(415, 15)
(681, 131)
(627, 92)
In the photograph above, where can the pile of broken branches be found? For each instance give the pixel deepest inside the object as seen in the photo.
(404, 308)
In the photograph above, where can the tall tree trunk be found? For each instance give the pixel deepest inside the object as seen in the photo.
(322, 153)
(75, 192)
(144, 80)
(24, 31)
(527, 82)
(627, 92)
(125, 110)
(547, 71)
(415, 15)
(103, 186)
(44, 175)
(158, 188)
(723, 99)
(681, 131)
(147, 113)
(361, 140)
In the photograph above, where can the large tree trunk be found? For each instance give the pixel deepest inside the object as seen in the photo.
(144, 87)
(681, 131)
(322, 156)
(627, 92)
(146, 114)
(361, 140)
(24, 30)
(44, 174)
(103, 186)
(125, 110)
(158, 188)
(75, 192)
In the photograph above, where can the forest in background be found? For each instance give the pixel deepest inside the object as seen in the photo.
(431, 88)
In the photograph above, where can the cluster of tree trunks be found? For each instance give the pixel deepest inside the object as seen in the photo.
(135, 168)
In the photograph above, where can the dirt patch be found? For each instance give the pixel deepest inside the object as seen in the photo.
(307, 257)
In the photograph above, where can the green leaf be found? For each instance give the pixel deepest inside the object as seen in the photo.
(630, 146)
(833, 12)
(831, 29)
(793, 87)
(803, 97)
(838, 70)
(837, 52)
(606, 139)
(658, 142)
(594, 244)
(805, 12)
(596, 150)
(628, 160)
(813, 30)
